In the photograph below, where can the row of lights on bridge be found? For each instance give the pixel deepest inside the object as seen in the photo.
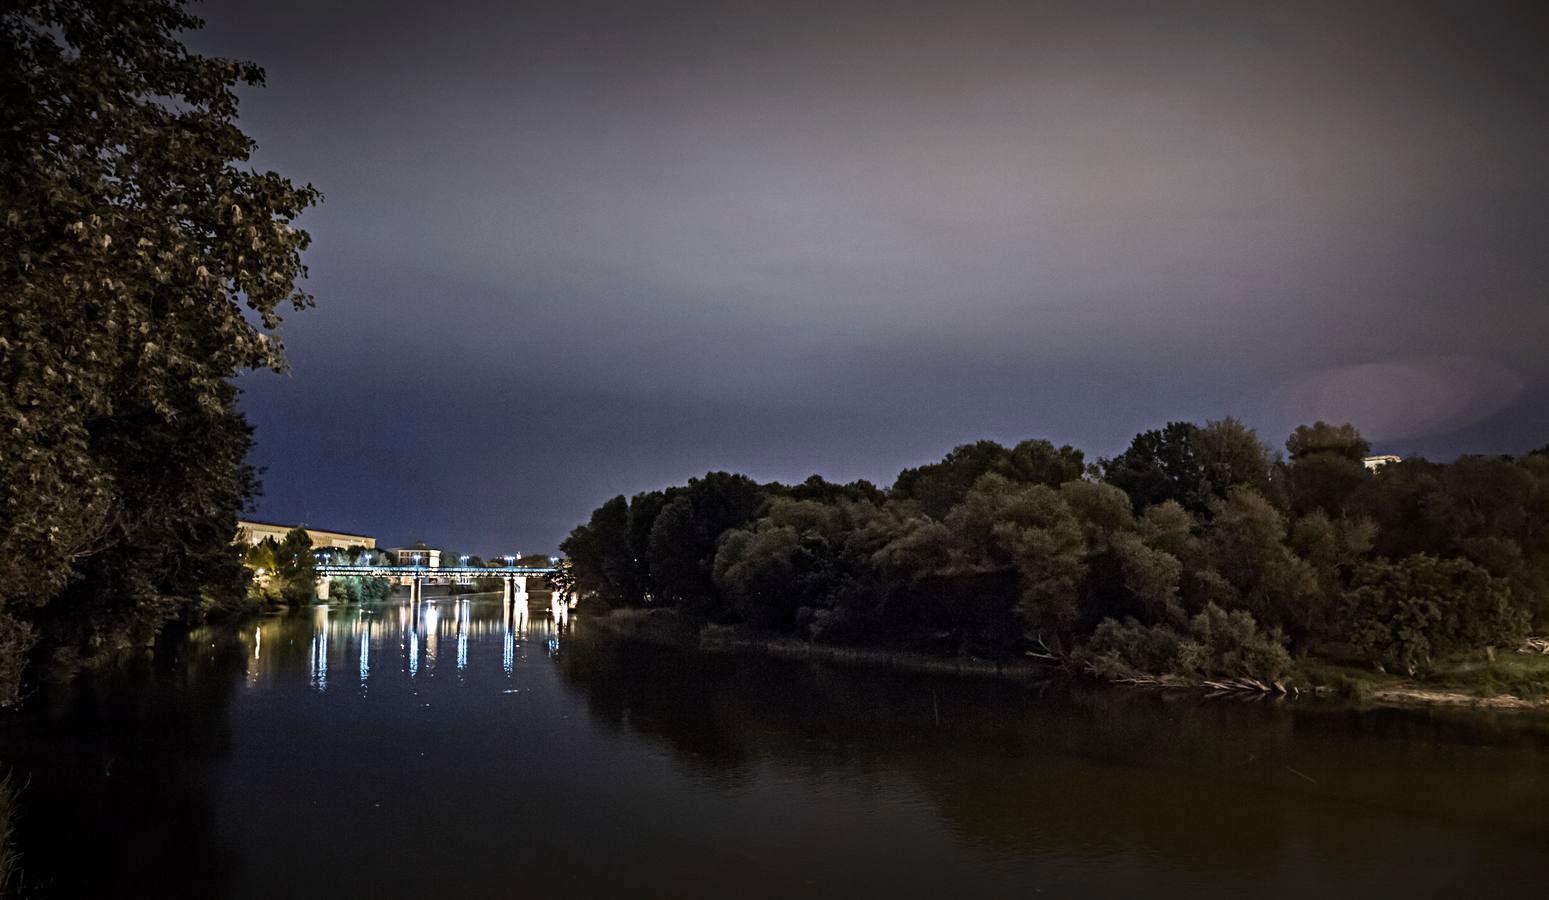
(417, 559)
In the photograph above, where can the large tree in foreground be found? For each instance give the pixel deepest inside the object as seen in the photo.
(142, 265)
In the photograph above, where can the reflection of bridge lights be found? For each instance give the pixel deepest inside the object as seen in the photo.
(365, 655)
(318, 664)
(319, 660)
(432, 630)
(462, 637)
(414, 652)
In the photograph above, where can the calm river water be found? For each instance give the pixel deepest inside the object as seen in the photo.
(472, 752)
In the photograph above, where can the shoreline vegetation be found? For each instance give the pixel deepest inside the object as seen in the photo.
(1478, 684)
(1197, 557)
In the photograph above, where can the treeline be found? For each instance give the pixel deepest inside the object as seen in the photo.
(1196, 552)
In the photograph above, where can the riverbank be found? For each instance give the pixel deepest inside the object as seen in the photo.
(1509, 681)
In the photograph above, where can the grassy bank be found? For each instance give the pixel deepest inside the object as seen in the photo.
(1508, 681)
(1514, 680)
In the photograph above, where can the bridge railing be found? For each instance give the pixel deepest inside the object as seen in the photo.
(433, 571)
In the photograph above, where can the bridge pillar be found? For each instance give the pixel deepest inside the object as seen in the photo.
(416, 590)
(323, 585)
(520, 583)
(505, 590)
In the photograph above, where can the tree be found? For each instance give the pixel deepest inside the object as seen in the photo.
(1327, 468)
(1321, 437)
(757, 569)
(1325, 482)
(133, 237)
(817, 488)
(1031, 531)
(685, 533)
(1246, 546)
(940, 486)
(295, 567)
(1231, 455)
(678, 568)
(1160, 465)
(601, 560)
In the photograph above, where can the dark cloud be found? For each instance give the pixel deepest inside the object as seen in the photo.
(576, 249)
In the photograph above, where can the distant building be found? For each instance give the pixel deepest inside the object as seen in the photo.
(417, 555)
(1376, 462)
(251, 532)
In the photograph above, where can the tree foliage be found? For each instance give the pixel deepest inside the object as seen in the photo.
(1196, 554)
(1405, 614)
(1160, 465)
(142, 265)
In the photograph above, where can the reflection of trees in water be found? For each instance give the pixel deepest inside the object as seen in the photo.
(115, 769)
(1055, 768)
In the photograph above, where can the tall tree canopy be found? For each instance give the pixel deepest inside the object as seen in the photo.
(143, 263)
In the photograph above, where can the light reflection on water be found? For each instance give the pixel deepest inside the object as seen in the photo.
(404, 638)
(720, 776)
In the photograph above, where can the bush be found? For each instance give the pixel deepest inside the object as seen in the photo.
(1129, 649)
(1218, 644)
(1232, 645)
(1404, 615)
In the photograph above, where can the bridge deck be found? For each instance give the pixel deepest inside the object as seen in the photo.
(434, 571)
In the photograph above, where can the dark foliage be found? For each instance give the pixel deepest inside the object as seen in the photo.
(143, 263)
(1197, 554)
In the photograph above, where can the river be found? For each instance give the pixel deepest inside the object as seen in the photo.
(470, 751)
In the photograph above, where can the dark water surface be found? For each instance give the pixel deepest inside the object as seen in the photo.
(472, 752)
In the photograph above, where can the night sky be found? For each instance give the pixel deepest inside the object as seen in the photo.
(582, 249)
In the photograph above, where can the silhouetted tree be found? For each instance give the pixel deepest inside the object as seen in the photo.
(1160, 465)
(1321, 437)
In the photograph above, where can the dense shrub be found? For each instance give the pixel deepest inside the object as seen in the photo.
(1406, 614)
(1216, 644)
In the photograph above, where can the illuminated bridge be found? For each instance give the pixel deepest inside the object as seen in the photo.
(514, 578)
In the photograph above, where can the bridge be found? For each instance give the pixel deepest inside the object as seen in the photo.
(514, 578)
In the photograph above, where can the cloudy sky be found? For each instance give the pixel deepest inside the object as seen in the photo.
(570, 250)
